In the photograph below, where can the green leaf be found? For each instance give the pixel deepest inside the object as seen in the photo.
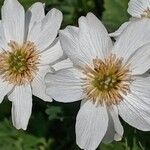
(13, 139)
(114, 146)
(115, 13)
(54, 112)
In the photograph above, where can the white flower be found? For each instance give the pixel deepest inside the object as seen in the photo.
(138, 9)
(109, 80)
(28, 45)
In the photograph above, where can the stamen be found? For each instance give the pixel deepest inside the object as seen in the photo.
(18, 65)
(107, 81)
(146, 13)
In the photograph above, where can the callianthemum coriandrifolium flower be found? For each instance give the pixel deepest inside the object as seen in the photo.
(107, 77)
(138, 9)
(28, 45)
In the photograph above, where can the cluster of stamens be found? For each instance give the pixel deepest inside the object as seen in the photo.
(18, 65)
(107, 81)
(146, 13)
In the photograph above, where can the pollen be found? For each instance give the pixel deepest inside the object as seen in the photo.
(19, 64)
(146, 13)
(106, 81)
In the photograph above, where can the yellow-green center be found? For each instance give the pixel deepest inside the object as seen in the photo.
(107, 81)
(17, 61)
(19, 64)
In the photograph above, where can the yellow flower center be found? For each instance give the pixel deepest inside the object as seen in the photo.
(107, 81)
(18, 65)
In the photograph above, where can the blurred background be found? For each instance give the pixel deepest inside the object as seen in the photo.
(51, 125)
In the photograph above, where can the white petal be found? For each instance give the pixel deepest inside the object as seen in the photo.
(120, 30)
(115, 129)
(132, 38)
(52, 54)
(3, 42)
(117, 124)
(5, 88)
(64, 85)
(69, 38)
(89, 41)
(45, 32)
(34, 14)
(110, 133)
(140, 61)
(141, 88)
(135, 108)
(13, 19)
(21, 99)
(38, 84)
(63, 65)
(94, 40)
(138, 7)
(91, 125)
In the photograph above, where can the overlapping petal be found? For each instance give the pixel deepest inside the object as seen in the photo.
(132, 38)
(38, 84)
(119, 31)
(67, 63)
(65, 85)
(52, 54)
(33, 15)
(134, 109)
(21, 98)
(43, 33)
(89, 41)
(115, 129)
(91, 125)
(13, 20)
(138, 7)
(139, 61)
(94, 40)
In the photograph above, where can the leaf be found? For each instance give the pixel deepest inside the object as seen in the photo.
(54, 112)
(13, 139)
(114, 146)
(115, 13)
(72, 9)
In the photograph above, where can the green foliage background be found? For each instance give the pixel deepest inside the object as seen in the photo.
(51, 126)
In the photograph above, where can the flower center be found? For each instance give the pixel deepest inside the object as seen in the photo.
(18, 65)
(107, 81)
(146, 13)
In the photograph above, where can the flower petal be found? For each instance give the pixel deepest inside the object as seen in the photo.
(130, 41)
(115, 129)
(13, 19)
(47, 29)
(110, 133)
(89, 41)
(94, 40)
(3, 42)
(120, 30)
(64, 85)
(21, 98)
(69, 38)
(117, 124)
(140, 61)
(34, 14)
(5, 88)
(52, 54)
(135, 108)
(138, 7)
(67, 63)
(91, 125)
(38, 84)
